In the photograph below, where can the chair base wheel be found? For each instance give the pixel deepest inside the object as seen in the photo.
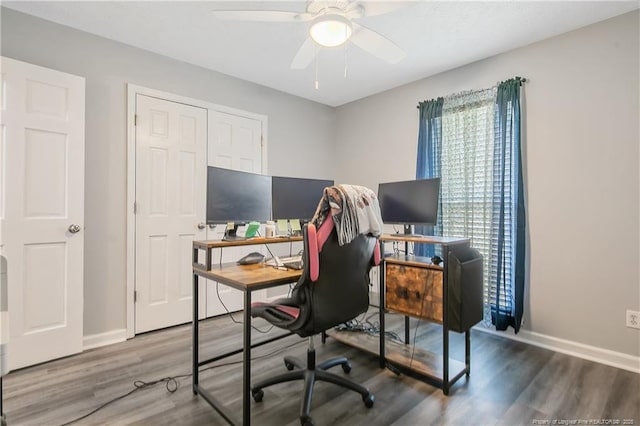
(369, 399)
(257, 394)
(289, 365)
(306, 421)
(346, 368)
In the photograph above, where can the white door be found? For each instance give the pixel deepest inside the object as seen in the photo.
(235, 143)
(170, 208)
(42, 210)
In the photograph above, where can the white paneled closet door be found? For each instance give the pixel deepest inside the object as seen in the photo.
(42, 210)
(171, 143)
(236, 143)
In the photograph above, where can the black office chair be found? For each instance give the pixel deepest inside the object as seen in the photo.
(333, 289)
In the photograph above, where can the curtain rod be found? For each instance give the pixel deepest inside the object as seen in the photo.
(522, 80)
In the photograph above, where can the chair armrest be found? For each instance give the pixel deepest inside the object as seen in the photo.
(314, 260)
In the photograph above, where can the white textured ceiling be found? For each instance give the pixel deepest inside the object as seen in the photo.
(436, 36)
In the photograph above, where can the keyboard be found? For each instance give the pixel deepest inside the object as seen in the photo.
(293, 262)
(293, 265)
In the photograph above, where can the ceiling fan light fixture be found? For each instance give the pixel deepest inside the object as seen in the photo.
(330, 30)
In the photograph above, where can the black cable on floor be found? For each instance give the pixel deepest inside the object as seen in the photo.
(139, 384)
(364, 325)
(171, 382)
(235, 320)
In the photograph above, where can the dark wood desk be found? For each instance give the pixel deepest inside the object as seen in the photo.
(433, 306)
(430, 369)
(247, 278)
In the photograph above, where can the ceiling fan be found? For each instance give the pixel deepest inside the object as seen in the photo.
(331, 25)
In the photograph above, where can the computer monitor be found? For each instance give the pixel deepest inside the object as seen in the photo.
(412, 202)
(238, 197)
(296, 198)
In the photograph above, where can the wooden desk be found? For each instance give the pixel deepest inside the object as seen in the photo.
(209, 245)
(247, 278)
(435, 280)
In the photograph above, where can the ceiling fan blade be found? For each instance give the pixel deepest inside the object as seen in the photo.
(261, 15)
(305, 55)
(376, 44)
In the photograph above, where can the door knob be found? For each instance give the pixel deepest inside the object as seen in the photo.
(201, 225)
(74, 229)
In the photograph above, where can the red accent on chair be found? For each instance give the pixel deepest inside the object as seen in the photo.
(314, 261)
(324, 231)
(289, 310)
(376, 253)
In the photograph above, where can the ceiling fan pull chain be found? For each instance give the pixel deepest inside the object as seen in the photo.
(346, 36)
(345, 61)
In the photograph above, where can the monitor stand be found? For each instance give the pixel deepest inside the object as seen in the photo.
(408, 231)
(230, 234)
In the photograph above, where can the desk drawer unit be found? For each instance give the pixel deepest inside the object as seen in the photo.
(415, 291)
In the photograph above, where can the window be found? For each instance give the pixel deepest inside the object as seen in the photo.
(473, 144)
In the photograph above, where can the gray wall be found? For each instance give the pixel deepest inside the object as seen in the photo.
(581, 170)
(295, 124)
(581, 158)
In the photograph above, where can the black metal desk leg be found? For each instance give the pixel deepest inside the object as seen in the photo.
(195, 360)
(2, 419)
(407, 338)
(445, 322)
(246, 361)
(467, 351)
(445, 360)
(381, 299)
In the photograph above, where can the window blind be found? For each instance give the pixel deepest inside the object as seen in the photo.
(469, 176)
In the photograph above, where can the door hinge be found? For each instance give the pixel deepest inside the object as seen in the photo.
(135, 207)
(135, 296)
(135, 119)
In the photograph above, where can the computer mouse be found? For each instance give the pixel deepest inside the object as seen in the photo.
(251, 258)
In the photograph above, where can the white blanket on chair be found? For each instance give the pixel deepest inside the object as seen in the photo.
(355, 210)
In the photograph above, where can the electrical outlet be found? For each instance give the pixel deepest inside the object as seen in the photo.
(633, 319)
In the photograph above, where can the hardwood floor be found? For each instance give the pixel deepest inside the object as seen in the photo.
(511, 383)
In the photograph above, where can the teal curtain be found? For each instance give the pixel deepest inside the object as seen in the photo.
(472, 141)
(429, 157)
(507, 292)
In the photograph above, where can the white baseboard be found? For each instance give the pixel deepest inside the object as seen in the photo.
(104, 339)
(580, 350)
